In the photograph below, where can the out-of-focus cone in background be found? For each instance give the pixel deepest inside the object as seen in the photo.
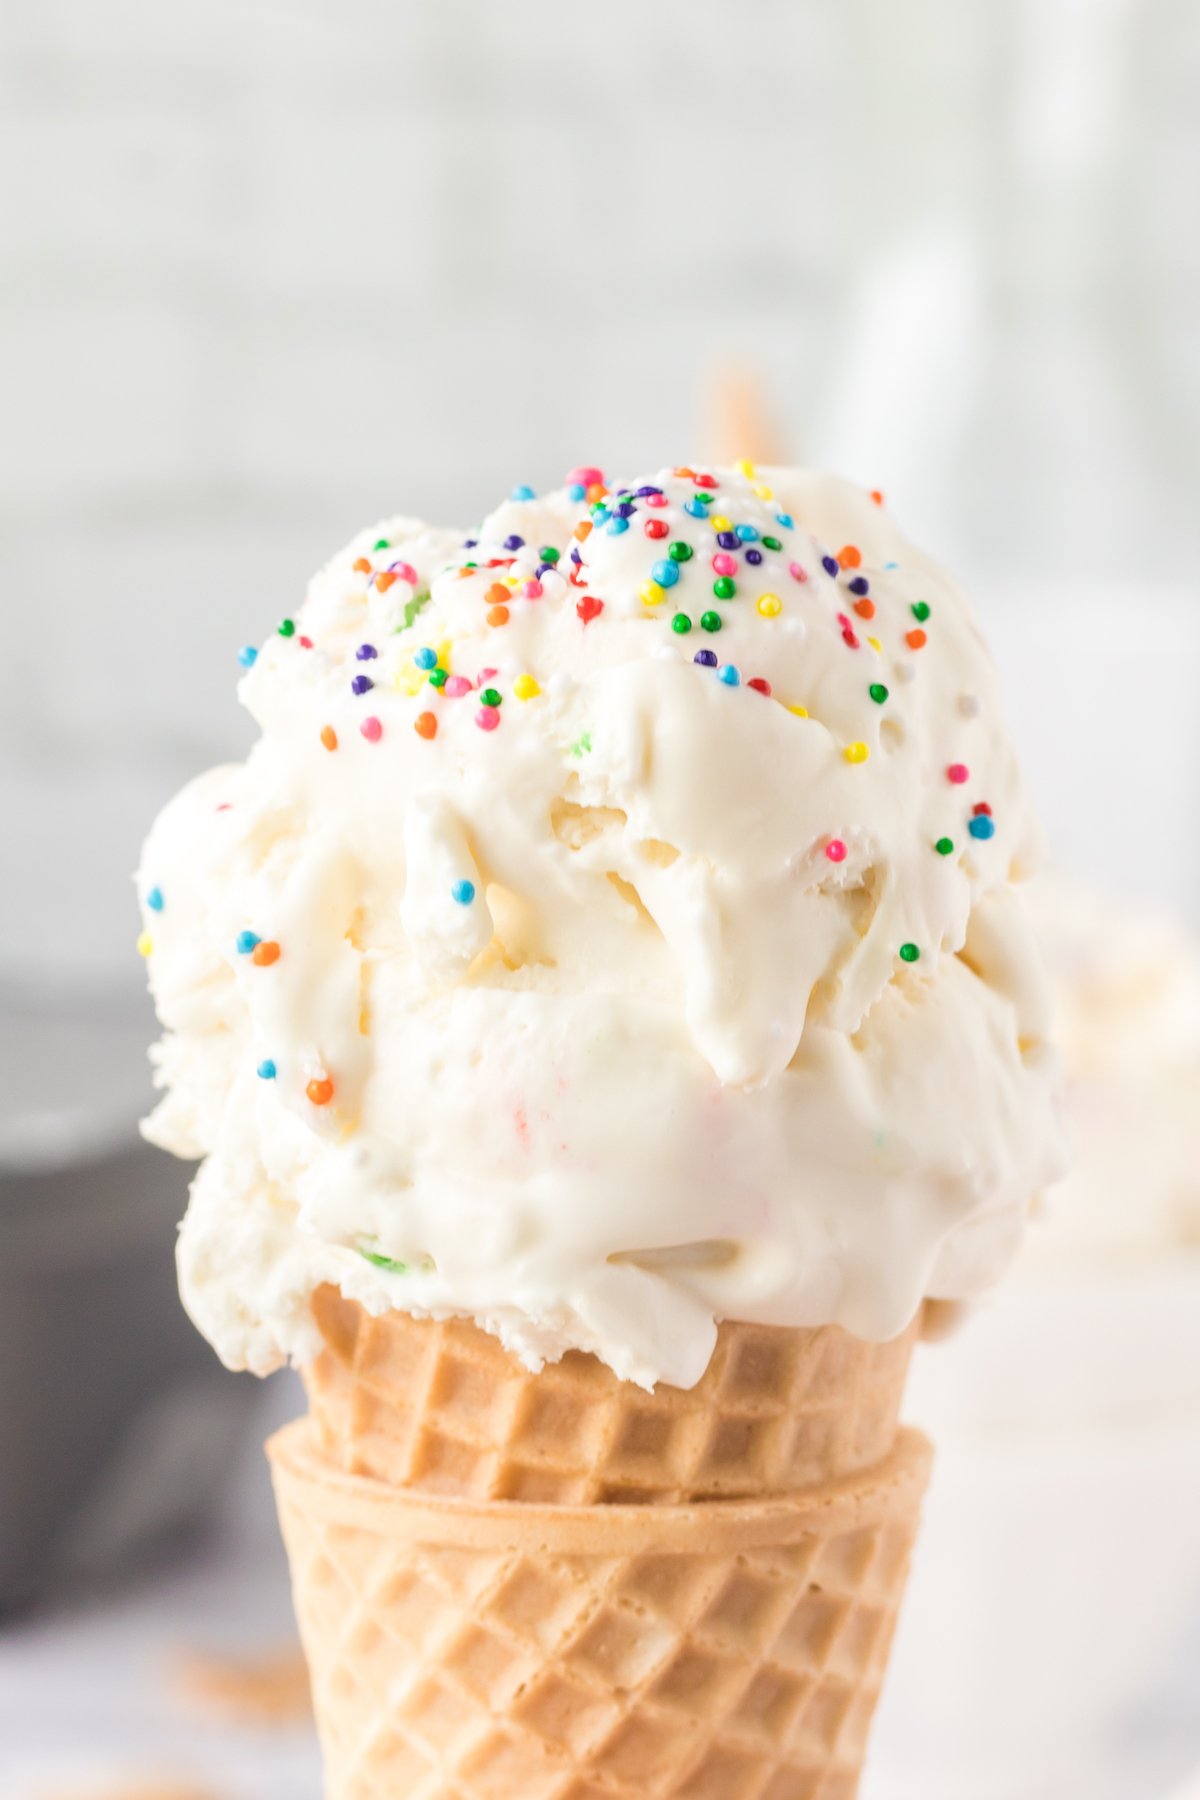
(737, 423)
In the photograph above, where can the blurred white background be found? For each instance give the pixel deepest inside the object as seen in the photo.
(272, 270)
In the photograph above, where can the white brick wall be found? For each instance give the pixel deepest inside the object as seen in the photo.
(269, 269)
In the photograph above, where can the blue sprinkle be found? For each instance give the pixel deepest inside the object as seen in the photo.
(748, 534)
(860, 585)
(829, 564)
(362, 684)
(246, 941)
(247, 656)
(463, 892)
(786, 520)
(154, 899)
(754, 557)
(617, 526)
(706, 658)
(576, 491)
(426, 658)
(982, 827)
(891, 565)
(366, 653)
(696, 507)
(267, 1070)
(523, 491)
(729, 675)
(665, 573)
(514, 542)
(599, 513)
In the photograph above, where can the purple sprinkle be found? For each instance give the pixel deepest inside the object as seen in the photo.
(706, 658)
(626, 508)
(829, 564)
(543, 569)
(362, 684)
(470, 543)
(366, 653)
(860, 585)
(514, 542)
(754, 556)
(640, 493)
(575, 556)
(729, 540)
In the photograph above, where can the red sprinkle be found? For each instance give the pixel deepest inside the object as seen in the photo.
(760, 686)
(958, 773)
(655, 528)
(983, 810)
(835, 850)
(589, 608)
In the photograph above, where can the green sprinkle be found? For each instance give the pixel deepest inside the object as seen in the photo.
(680, 552)
(491, 697)
(920, 610)
(287, 628)
(772, 543)
(437, 678)
(380, 1261)
(382, 544)
(909, 953)
(549, 554)
(681, 623)
(945, 846)
(582, 745)
(711, 621)
(412, 607)
(878, 692)
(724, 587)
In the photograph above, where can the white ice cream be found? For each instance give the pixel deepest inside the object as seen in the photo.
(602, 994)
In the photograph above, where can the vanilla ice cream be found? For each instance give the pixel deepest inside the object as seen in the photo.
(614, 930)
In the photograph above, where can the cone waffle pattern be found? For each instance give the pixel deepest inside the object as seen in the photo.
(483, 1652)
(443, 1408)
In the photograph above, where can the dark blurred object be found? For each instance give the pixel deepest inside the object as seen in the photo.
(117, 1423)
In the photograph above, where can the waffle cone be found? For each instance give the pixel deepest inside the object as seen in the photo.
(482, 1651)
(439, 1406)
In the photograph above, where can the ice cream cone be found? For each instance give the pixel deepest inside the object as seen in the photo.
(477, 1651)
(441, 1407)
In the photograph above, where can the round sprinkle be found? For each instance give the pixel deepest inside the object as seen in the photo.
(487, 718)
(362, 684)
(786, 520)
(920, 611)
(769, 605)
(706, 658)
(371, 729)
(945, 846)
(514, 542)
(287, 628)
(267, 1070)
(145, 944)
(958, 773)
(681, 624)
(982, 827)
(710, 621)
(723, 564)
(616, 526)
(496, 595)
(463, 892)
(154, 899)
(549, 554)
(320, 1091)
(830, 565)
(680, 552)
(865, 609)
(526, 688)
(797, 571)
(772, 543)
(835, 850)
(754, 558)
(266, 953)
(497, 615)
(491, 696)
(729, 675)
(909, 953)
(724, 588)
(329, 737)
(801, 712)
(381, 544)
(652, 594)
(856, 753)
(760, 685)
(247, 656)
(860, 585)
(576, 491)
(455, 686)
(426, 658)
(696, 507)
(425, 725)
(916, 640)
(878, 692)
(523, 491)
(719, 522)
(366, 653)
(748, 534)
(665, 572)
(656, 528)
(246, 941)
(438, 678)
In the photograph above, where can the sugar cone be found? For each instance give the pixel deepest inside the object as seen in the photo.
(442, 1407)
(500, 1651)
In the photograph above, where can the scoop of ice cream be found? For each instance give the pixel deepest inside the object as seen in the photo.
(613, 930)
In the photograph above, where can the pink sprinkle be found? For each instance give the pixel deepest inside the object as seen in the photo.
(405, 571)
(655, 499)
(371, 729)
(533, 589)
(305, 643)
(455, 686)
(760, 686)
(958, 773)
(835, 850)
(484, 676)
(797, 573)
(585, 477)
(724, 564)
(487, 718)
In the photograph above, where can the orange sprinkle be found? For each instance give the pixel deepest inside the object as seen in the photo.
(876, 496)
(266, 953)
(596, 492)
(497, 615)
(865, 609)
(362, 565)
(497, 594)
(583, 529)
(916, 640)
(849, 557)
(320, 1092)
(383, 582)
(425, 725)
(686, 473)
(329, 737)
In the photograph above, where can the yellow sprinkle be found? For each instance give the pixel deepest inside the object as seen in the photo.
(764, 492)
(720, 523)
(145, 944)
(408, 678)
(526, 688)
(443, 650)
(746, 468)
(856, 753)
(801, 712)
(513, 582)
(876, 646)
(770, 605)
(652, 594)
